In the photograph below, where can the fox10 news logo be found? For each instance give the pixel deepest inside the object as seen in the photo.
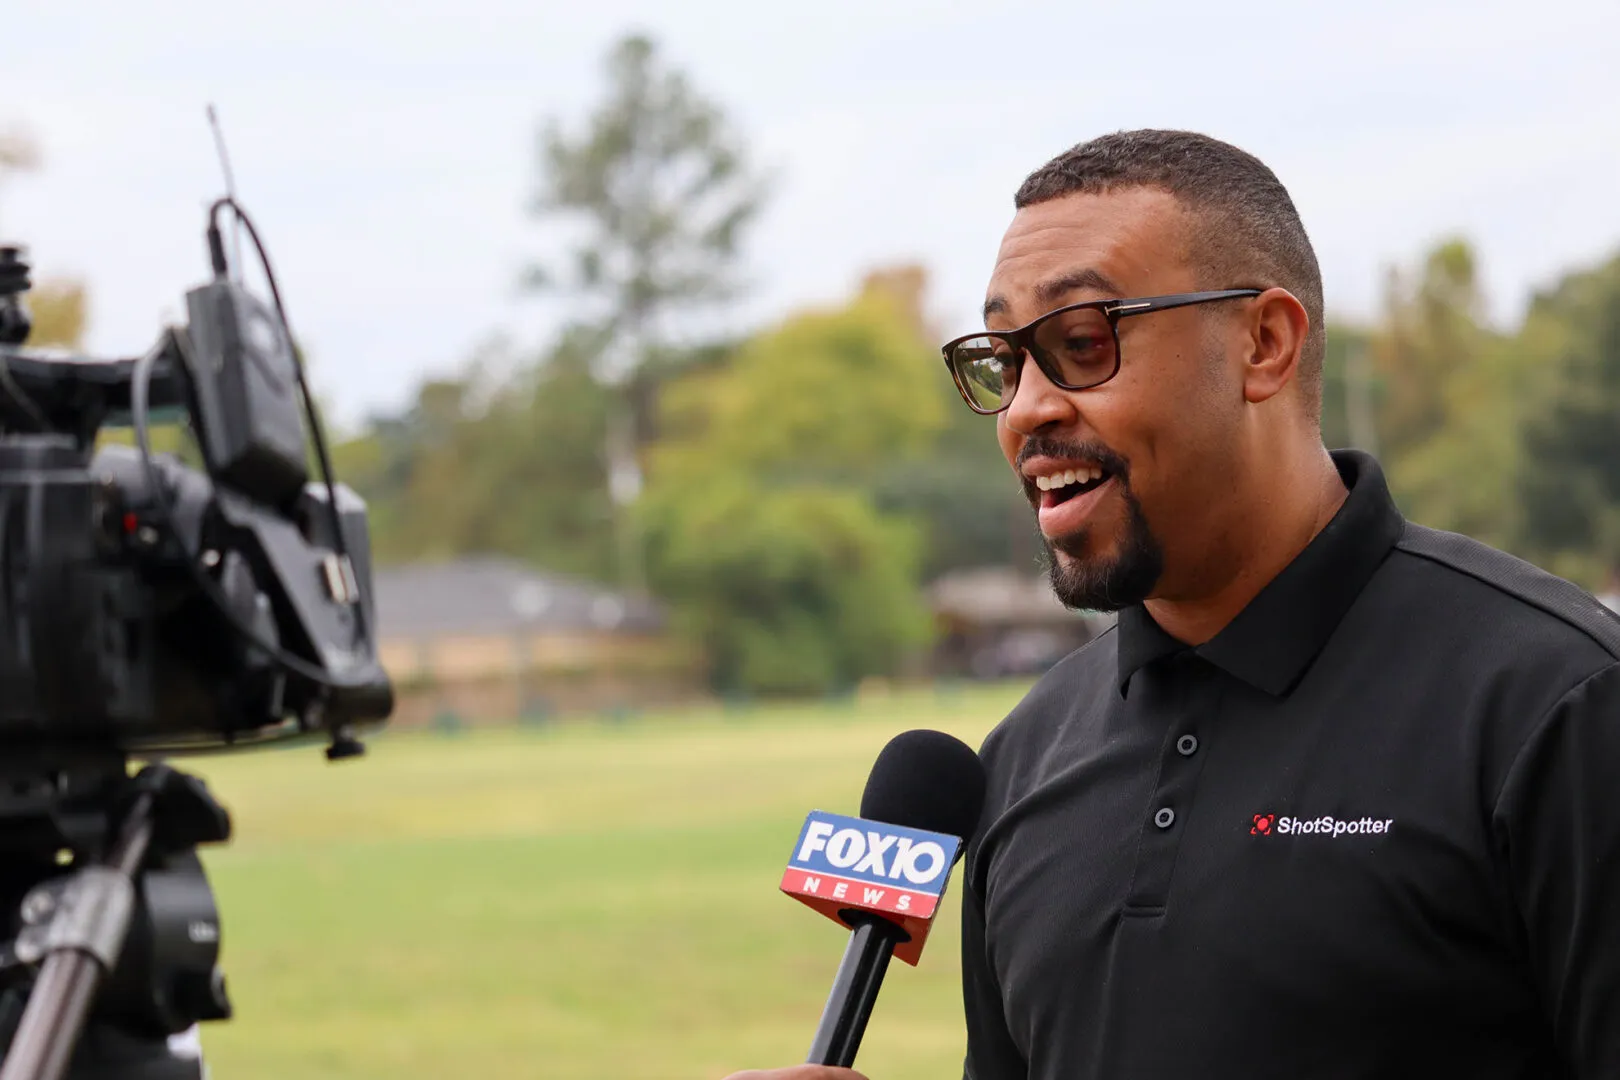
(846, 863)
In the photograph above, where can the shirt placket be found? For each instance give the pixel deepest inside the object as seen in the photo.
(1182, 696)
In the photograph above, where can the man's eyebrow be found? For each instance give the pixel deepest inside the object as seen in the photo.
(1048, 293)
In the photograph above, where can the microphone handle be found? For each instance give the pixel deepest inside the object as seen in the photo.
(854, 990)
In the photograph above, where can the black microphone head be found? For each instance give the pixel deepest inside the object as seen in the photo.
(926, 780)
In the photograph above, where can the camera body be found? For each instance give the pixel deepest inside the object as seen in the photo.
(149, 606)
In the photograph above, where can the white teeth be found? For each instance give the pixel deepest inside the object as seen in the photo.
(1083, 475)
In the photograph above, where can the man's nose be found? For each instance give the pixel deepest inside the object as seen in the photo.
(1036, 402)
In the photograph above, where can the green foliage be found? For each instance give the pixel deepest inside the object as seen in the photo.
(1512, 439)
(794, 589)
(969, 509)
(1450, 398)
(1463, 477)
(519, 472)
(1571, 487)
(59, 309)
(662, 190)
(830, 395)
(1350, 388)
(1432, 330)
(761, 527)
(661, 194)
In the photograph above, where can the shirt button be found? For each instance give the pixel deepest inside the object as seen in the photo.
(1187, 745)
(1164, 818)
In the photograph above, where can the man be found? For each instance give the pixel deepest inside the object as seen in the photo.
(1336, 796)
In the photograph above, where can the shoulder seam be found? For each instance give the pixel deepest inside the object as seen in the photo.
(1542, 723)
(1429, 545)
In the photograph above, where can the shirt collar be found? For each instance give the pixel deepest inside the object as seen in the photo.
(1274, 639)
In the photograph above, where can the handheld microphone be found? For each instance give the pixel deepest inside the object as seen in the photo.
(883, 874)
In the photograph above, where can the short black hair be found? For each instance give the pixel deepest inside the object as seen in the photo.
(1247, 231)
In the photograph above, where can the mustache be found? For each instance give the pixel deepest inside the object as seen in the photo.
(1090, 449)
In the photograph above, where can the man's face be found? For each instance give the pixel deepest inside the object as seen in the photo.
(1163, 433)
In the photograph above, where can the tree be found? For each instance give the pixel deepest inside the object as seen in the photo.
(1451, 397)
(1571, 486)
(831, 396)
(762, 529)
(969, 509)
(797, 589)
(1513, 440)
(1433, 327)
(59, 308)
(1350, 389)
(515, 468)
(662, 191)
(1465, 475)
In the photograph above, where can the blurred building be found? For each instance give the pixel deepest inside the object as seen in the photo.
(995, 621)
(494, 638)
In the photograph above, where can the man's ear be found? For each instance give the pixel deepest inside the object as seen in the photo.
(1277, 328)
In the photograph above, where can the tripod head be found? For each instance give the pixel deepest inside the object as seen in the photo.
(133, 913)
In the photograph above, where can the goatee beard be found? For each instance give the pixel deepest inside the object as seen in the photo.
(1086, 582)
(1089, 582)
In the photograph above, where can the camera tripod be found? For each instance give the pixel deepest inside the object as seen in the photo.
(125, 942)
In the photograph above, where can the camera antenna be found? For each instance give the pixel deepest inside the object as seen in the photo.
(230, 187)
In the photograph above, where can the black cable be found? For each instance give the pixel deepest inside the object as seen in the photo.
(139, 408)
(317, 431)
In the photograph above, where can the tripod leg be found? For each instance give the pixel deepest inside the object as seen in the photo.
(68, 980)
(68, 984)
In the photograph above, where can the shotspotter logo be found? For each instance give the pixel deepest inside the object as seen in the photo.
(1328, 825)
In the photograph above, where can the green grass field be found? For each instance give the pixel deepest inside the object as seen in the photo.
(586, 900)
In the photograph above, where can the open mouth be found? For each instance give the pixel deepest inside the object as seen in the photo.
(1058, 488)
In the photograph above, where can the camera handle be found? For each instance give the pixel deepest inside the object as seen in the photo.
(78, 924)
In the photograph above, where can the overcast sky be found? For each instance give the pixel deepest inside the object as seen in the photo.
(387, 149)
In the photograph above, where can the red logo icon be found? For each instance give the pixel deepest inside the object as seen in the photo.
(1262, 824)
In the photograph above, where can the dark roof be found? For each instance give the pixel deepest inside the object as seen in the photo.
(1001, 596)
(493, 595)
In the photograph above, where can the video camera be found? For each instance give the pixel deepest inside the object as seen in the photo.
(149, 608)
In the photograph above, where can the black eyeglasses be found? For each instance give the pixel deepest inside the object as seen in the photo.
(1076, 347)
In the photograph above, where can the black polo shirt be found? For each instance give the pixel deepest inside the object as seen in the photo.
(1371, 830)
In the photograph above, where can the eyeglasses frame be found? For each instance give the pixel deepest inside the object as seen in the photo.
(1023, 338)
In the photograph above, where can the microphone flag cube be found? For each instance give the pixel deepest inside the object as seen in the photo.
(845, 864)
